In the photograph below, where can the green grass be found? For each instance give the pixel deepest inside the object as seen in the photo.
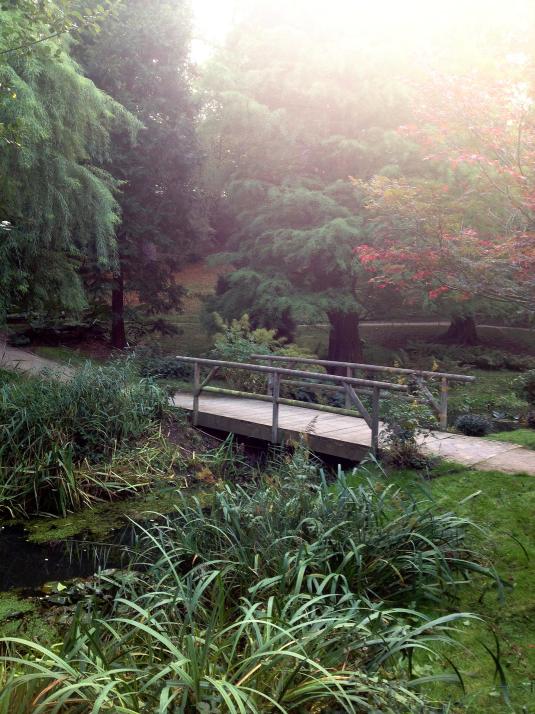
(504, 504)
(522, 437)
(64, 355)
(491, 392)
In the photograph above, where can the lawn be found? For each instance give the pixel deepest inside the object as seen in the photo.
(522, 437)
(504, 505)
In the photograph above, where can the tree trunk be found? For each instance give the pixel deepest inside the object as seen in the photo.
(344, 339)
(118, 334)
(462, 331)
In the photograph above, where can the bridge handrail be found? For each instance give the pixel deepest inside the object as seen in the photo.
(347, 384)
(368, 367)
(387, 386)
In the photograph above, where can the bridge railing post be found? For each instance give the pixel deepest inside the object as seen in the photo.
(275, 396)
(196, 391)
(443, 413)
(349, 373)
(376, 395)
(269, 378)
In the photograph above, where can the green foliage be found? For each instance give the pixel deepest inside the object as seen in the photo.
(146, 43)
(271, 599)
(480, 357)
(525, 387)
(190, 647)
(237, 341)
(60, 205)
(406, 423)
(51, 430)
(152, 363)
(473, 425)
(295, 532)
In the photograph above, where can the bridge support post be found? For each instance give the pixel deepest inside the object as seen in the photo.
(349, 373)
(276, 396)
(443, 414)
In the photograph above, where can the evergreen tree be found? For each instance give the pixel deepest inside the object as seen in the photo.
(57, 206)
(290, 117)
(141, 58)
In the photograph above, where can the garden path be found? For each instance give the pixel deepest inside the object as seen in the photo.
(342, 436)
(18, 360)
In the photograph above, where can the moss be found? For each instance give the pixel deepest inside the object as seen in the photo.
(21, 617)
(11, 605)
(103, 518)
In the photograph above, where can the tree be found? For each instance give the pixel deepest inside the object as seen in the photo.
(478, 131)
(141, 58)
(57, 205)
(290, 116)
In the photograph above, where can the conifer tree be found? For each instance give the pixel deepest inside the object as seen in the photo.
(290, 117)
(141, 58)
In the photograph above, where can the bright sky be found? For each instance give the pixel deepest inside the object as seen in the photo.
(410, 18)
(212, 20)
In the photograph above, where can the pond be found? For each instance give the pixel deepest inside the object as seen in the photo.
(28, 566)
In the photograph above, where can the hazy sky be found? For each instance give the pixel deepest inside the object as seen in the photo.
(212, 19)
(407, 18)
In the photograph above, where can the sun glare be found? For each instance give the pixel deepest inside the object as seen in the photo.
(415, 24)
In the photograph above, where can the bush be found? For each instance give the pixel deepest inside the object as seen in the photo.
(237, 341)
(473, 425)
(405, 426)
(525, 387)
(158, 366)
(51, 426)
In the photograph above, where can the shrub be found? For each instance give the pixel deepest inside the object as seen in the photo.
(153, 364)
(405, 426)
(51, 426)
(237, 341)
(191, 649)
(525, 387)
(297, 533)
(473, 425)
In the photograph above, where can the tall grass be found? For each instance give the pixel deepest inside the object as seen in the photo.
(294, 534)
(293, 595)
(192, 650)
(49, 427)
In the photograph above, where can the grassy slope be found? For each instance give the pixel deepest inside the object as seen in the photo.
(505, 505)
(522, 437)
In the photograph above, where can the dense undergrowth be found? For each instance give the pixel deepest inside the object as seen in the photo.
(66, 442)
(292, 594)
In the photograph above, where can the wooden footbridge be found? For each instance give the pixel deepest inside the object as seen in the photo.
(349, 431)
